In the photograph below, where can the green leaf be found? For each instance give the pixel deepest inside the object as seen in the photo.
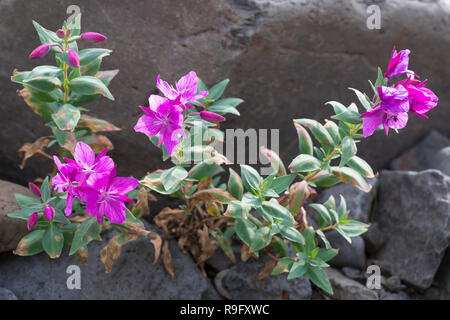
(351, 176)
(304, 162)
(319, 278)
(324, 179)
(283, 265)
(45, 190)
(280, 184)
(305, 144)
(380, 79)
(324, 216)
(88, 85)
(31, 244)
(173, 176)
(53, 241)
(317, 129)
(292, 234)
(298, 269)
(362, 98)
(361, 166)
(327, 254)
(348, 150)
(337, 106)
(348, 116)
(235, 186)
(67, 117)
(333, 130)
(342, 210)
(324, 238)
(216, 91)
(86, 232)
(275, 162)
(46, 36)
(203, 170)
(261, 239)
(310, 240)
(45, 71)
(250, 178)
(277, 211)
(245, 231)
(27, 202)
(279, 247)
(90, 55)
(353, 228)
(45, 84)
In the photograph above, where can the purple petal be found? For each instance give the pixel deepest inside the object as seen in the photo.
(372, 119)
(123, 185)
(84, 155)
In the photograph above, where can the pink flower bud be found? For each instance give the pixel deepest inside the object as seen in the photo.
(49, 212)
(61, 33)
(211, 116)
(68, 32)
(40, 51)
(35, 189)
(93, 37)
(73, 58)
(32, 220)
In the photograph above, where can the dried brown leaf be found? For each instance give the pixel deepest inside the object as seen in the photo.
(82, 255)
(267, 269)
(142, 203)
(111, 252)
(167, 259)
(29, 150)
(156, 240)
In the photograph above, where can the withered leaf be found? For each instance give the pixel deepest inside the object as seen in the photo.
(156, 240)
(82, 255)
(111, 252)
(96, 125)
(267, 269)
(167, 259)
(142, 203)
(99, 142)
(29, 150)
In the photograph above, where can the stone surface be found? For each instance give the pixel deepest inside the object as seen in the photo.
(133, 275)
(358, 202)
(386, 295)
(442, 279)
(347, 289)
(328, 49)
(374, 239)
(421, 156)
(441, 161)
(350, 254)
(6, 294)
(414, 215)
(219, 261)
(352, 273)
(11, 230)
(241, 283)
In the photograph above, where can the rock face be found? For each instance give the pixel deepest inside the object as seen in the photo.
(6, 294)
(422, 156)
(328, 50)
(133, 275)
(350, 254)
(414, 216)
(442, 278)
(441, 161)
(241, 283)
(348, 289)
(11, 230)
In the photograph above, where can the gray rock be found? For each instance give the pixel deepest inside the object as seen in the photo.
(11, 230)
(352, 273)
(442, 278)
(358, 202)
(350, 254)
(241, 283)
(442, 161)
(6, 294)
(393, 283)
(374, 239)
(414, 214)
(348, 289)
(133, 275)
(385, 295)
(328, 49)
(219, 261)
(421, 156)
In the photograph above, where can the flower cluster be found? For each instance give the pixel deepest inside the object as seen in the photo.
(165, 115)
(48, 211)
(92, 179)
(394, 103)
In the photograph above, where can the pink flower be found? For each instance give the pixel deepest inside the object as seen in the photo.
(87, 163)
(65, 181)
(185, 89)
(93, 37)
(421, 99)
(394, 99)
(49, 212)
(211, 116)
(40, 51)
(35, 189)
(105, 194)
(398, 64)
(165, 119)
(73, 58)
(32, 220)
(61, 33)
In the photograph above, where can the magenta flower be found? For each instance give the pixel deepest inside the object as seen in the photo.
(93, 37)
(32, 220)
(40, 51)
(35, 189)
(185, 89)
(87, 163)
(394, 99)
(65, 181)
(73, 58)
(165, 119)
(105, 194)
(398, 64)
(421, 99)
(211, 116)
(377, 116)
(49, 212)
(61, 33)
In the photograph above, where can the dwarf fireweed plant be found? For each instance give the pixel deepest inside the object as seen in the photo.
(266, 214)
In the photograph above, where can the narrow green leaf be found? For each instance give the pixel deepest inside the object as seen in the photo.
(304, 162)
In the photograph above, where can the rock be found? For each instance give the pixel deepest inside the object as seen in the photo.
(133, 275)
(414, 215)
(351, 273)
(442, 161)
(219, 261)
(350, 254)
(385, 295)
(374, 239)
(348, 289)
(421, 156)
(358, 202)
(241, 283)
(6, 294)
(393, 283)
(11, 230)
(442, 278)
(328, 50)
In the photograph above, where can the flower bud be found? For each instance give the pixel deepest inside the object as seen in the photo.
(61, 33)
(93, 37)
(34, 188)
(211, 116)
(73, 58)
(32, 220)
(68, 32)
(49, 212)
(40, 51)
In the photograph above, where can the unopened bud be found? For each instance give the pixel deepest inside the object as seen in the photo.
(211, 116)
(93, 37)
(40, 51)
(32, 220)
(61, 33)
(49, 212)
(73, 58)
(34, 188)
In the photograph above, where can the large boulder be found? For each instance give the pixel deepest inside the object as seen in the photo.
(347, 289)
(413, 214)
(133, 276)
(327, 49)
(11, 230)
(442, 161)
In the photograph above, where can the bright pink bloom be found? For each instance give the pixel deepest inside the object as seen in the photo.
(166, 119)
(105, 194)
(93, 37)
(35, 189)
(394, 99)
(185, 89)
(211, 116)
(49, 212)
(87, 163)
(398, 64)
(73, 58)
(421, 99)
(65, 181)
(32, 220)
(61, 33)
(40, 51)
